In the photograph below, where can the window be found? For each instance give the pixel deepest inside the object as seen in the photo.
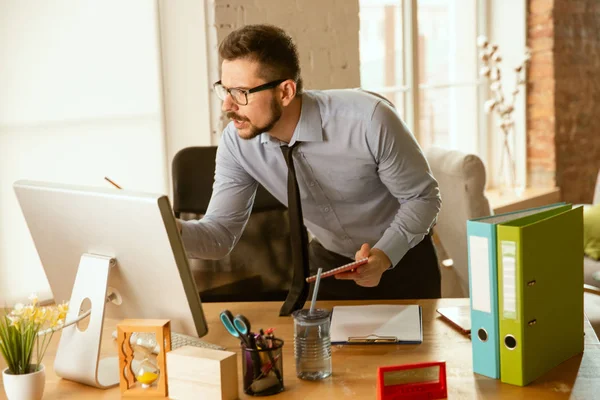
(80, 100)
(430, 45)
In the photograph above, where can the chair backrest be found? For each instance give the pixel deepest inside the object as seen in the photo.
(258, 268)
(461, 178)
(193, 179)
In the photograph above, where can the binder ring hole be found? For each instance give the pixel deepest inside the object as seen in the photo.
(510, 342)
(482, 334)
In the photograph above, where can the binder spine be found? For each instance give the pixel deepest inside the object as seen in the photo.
(484, 298)
(510, 311)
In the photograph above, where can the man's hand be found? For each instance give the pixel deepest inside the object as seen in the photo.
(369, 274)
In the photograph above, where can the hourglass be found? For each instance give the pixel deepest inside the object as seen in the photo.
(146, 372)
(148, 378)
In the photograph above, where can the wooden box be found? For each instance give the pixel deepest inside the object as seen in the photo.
(200, 373)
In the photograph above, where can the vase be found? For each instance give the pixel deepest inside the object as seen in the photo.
(507, 176)
(25, 386)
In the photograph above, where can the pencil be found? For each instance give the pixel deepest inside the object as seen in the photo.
(114, 184)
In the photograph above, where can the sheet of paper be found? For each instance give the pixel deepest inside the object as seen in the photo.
(400, 321)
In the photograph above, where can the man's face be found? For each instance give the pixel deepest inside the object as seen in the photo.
(263, 109)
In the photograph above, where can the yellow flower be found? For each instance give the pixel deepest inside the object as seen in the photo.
(40, 315)
(18, 310)
(63, 308)
(29, 312)
(53, 317)
(14, 320)
(34, 299)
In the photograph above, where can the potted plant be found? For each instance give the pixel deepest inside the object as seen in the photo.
(26, 330)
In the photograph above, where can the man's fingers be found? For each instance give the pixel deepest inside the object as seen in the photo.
(367, 283)
(361, 272)
(348, 275)
(364, 251)
(368, 280)
(362, 269)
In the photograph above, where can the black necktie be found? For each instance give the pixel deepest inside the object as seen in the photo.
(299, 289)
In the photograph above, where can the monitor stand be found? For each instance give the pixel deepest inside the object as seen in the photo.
(78, 354)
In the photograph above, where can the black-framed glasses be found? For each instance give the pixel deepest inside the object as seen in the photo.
(240, 96)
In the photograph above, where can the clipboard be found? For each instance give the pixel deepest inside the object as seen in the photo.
(377, 324)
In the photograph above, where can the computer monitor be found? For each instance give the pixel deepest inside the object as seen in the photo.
(93, 241)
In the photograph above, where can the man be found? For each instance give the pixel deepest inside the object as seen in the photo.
(365, 187)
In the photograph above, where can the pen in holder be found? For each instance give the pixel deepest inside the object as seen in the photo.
(262, 368)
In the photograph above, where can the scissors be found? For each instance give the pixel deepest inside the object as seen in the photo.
(238, 327)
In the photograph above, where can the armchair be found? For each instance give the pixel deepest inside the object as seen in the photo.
(591, 279)
(461, 178)
(592, 267)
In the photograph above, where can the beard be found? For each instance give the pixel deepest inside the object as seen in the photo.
(252, 130)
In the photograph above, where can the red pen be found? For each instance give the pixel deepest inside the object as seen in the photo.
(270, 336)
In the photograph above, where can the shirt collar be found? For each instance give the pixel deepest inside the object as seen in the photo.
(309, 127)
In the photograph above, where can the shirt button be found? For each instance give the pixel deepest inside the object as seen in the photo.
(311, 184)
(346, 237)
(326, 209)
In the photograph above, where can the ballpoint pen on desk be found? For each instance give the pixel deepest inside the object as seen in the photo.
(112, 183)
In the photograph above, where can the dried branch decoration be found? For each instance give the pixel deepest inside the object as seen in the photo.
(502, 105)
(491, 59)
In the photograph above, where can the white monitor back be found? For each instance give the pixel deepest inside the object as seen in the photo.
(152, 274)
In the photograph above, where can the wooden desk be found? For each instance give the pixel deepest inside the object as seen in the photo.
(355, 366)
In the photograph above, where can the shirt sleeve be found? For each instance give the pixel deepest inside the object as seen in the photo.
(404, 170)
(215, 235)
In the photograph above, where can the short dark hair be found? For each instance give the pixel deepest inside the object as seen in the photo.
(270, 46)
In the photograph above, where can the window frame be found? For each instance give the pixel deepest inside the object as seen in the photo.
(411, 98)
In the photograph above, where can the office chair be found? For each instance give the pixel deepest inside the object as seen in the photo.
(258, 268)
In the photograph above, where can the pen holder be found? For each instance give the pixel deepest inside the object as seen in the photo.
(263, 369)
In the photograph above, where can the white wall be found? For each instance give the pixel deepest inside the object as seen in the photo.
(325, 32)
(187, 89)
(79, 100)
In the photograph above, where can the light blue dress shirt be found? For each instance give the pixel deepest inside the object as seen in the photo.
(362, 178)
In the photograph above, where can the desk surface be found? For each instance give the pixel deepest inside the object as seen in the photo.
(355, 366)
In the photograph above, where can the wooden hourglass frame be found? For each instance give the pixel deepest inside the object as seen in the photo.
(162, 329)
